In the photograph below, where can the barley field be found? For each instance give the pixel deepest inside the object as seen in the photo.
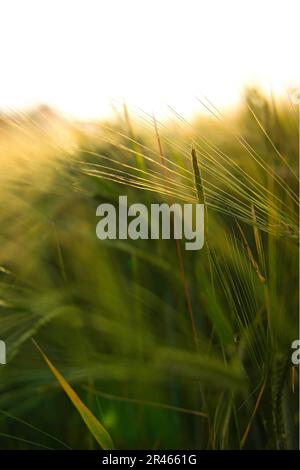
(140, 344)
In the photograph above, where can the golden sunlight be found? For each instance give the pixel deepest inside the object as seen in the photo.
(85, 56)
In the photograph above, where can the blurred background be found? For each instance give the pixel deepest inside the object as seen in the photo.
(166, 101)
(82, 56)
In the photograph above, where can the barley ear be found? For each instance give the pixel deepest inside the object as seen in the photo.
(197, 176)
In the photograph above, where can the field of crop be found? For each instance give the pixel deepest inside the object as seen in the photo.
(140, 344)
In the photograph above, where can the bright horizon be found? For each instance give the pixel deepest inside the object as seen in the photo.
(79, 56)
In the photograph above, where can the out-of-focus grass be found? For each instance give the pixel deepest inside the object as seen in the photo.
(167, 348)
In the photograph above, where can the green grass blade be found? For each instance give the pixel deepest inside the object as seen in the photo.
(96, 428)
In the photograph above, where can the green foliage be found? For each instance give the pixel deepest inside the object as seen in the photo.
(166, 348)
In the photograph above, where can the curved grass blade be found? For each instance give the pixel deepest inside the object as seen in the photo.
(96, 428)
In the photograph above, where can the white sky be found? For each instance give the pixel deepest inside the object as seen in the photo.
(78, 55)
